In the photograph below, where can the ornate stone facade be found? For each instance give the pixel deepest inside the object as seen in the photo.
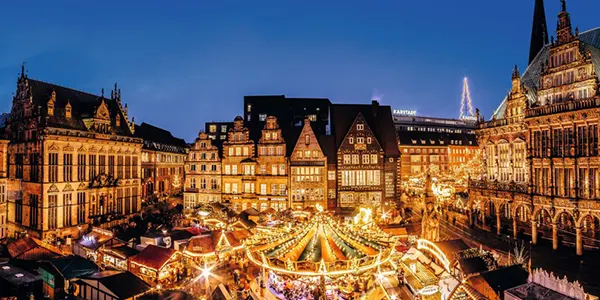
(308, 171)
(541, 148)
(76, 158)
(253, 178)
(202, 173)
(272, 173)
(3, 188)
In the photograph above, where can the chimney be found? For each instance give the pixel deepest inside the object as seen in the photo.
(374, 107)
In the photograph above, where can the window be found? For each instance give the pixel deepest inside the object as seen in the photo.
(213, 184)
(227, 169)
(274, 170)
(223, 128)
(369, 140)
(234, 188)
(307, 139)
(67, 167)
(212, 128)
(127, 167)
(360, 140)
(281, 169)
(234, 169)
(134, 165)
(351, 140)
(360, 126)
(227, 187)
(52, 212)
(81, 207)
(34, 202)
(263, 189)
(53, 167)
(102, 164)
(203, 183)
(312, 118)
(193, 183)
(81, 167)
(262, 117)
(347, 159)
(34, 169)
(365, 159)
(355, 159)
(374, 158)
(67, 221)
(331, 175)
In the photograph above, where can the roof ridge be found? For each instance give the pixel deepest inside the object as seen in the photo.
(68, 88)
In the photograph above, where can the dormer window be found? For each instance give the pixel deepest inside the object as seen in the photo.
(68, 109)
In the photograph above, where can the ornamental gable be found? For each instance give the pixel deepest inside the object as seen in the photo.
(307, 144)
(360, 138)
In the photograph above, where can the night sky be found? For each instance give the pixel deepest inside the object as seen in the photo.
(182, 65)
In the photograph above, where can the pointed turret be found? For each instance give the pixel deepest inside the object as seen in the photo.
(539, 31)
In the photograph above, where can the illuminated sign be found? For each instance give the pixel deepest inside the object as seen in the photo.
(404, 112)
(428, 290)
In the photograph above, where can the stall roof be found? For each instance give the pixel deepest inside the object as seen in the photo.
(123, 284)
(154, 257)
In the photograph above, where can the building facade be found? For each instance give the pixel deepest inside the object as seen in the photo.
(360, 167)
(367, 156)
(541, 147)
(76, 156)
(202, 173)
(308, 171)
(238, 167)
(3, 188)
(163, 159)
(435, 145)
(272, 168)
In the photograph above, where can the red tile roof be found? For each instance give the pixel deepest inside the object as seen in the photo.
(154, 257)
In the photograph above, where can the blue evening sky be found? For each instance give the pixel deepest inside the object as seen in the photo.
(182, 63)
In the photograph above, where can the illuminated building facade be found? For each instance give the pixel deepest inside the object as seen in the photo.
(433, 144)
(76, 156)
(237, 149)
(308, 171)
(3, 188)
(541, 147)
(367, 155)
(202, 173)
(272, 170)
(163, 157)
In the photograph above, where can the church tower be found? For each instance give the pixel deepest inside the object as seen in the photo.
(539, 31)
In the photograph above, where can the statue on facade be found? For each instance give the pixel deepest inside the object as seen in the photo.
(430, 225)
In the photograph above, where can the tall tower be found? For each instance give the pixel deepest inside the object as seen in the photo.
(539, 31)
(466, 106)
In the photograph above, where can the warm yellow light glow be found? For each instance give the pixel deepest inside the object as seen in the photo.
(423, 244)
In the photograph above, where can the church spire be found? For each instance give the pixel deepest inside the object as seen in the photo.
(539, 31)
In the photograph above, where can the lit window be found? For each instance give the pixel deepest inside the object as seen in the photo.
(351, 140)
(369, 140)
(262, 117)
(249, 107)
(312, 118)
(212, 128)
(360, 140)
(360, 126)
